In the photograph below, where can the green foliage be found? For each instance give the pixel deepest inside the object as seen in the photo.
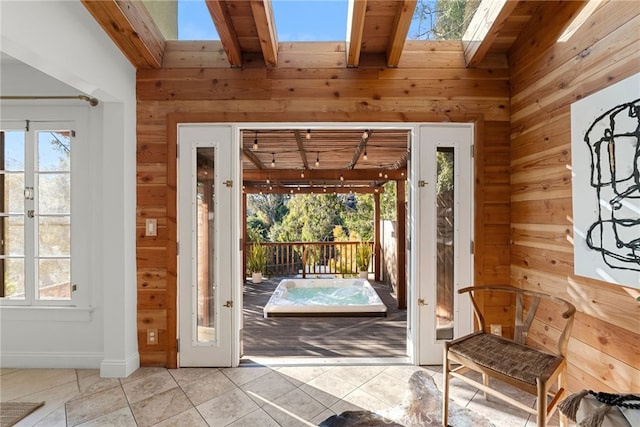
(445, 166)
(363, 256)
(388, 202)
(359, 219)
(443, 19)
(311, 218)
(257, 259)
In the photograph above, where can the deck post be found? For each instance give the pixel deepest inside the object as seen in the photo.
(377, 268)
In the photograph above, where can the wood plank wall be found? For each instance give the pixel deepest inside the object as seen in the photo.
(547, 76)
(310, 84)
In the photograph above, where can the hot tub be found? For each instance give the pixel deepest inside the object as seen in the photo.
(324, 297)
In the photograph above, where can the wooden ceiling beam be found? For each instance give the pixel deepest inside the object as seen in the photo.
(224, 26)
(253, 159)
(400, 30)
(132, 29)
(266, 27)
(362, 146)
(484, 27)
(355, 30)
(323, 174)
(301, 150)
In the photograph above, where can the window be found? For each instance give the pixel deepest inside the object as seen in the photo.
(36, 212)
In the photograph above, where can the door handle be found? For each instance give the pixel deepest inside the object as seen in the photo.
(229, 304)
(421, 301)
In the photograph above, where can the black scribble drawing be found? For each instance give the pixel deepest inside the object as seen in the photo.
(615, 176)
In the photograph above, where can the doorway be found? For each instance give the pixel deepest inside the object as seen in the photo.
(422, 333)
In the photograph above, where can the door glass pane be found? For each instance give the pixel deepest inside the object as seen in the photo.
(54, 279)
(445, 239)
(54, 150)
(54, 236)
(54, 193)
(12, 154)
(205, 229)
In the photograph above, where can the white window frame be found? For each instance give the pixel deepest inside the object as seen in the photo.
(77, 120)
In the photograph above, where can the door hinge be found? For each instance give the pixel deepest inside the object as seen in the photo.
(473, 150)
(73, 133)
(178, 344)
(241, 245)
(177, 248)
(74, 287)
(472, 247)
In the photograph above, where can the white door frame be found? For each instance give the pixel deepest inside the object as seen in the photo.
(222, 350)
(415, 331)
(458, 136)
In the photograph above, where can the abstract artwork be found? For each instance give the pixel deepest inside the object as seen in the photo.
(605, 150)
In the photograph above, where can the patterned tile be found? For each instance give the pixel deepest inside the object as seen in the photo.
(227, 408)
(209, 386)
(149, 385)
(268, 388)
(191, 418)
(160, 407)
(95, 405)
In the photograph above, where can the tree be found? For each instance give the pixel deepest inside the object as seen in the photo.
(311, 218)
(359, 218)
(443, 19)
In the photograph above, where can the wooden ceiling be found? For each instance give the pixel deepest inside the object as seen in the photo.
(378, 28)
(247, 27)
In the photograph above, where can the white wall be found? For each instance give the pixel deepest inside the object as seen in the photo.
(72, 54)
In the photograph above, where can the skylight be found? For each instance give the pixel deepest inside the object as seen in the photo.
(310, 20)
(194, 21)
(441, 20)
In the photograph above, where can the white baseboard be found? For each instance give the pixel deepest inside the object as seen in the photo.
(118, 368)
(39, 359)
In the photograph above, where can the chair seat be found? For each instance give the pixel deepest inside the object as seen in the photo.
(506, 357)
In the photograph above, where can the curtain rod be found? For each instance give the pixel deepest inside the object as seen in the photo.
(92, 101)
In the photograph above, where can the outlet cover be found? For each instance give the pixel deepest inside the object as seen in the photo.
(152, 336)
(496, 329)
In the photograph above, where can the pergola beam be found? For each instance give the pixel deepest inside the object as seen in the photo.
(250, 189)
(224, 26)
(301, 150)
(322, 174)
(355, 30)
(400, 30)
(132, 29)
(266, 27)
(484, 28)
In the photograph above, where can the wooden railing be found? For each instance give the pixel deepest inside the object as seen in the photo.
(311, 258)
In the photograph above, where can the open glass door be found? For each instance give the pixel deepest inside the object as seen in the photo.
(444, 221)
(205, 234)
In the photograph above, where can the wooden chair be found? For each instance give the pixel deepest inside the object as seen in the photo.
(511, 360)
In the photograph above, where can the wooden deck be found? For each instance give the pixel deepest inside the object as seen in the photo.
(321, 336)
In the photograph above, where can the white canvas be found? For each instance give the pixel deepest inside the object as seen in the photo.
(605, 149)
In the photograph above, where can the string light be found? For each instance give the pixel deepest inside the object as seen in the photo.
(255, 143)
(318, 159)
(380, 174)
(365, 154)
(268, 181)
(341, 178)
(302, 174)
(308, 134)
(273, 160)
(365, 134)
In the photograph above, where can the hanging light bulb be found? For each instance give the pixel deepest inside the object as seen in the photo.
(380, 174)
(255, 143)
(365, 134)
(308, 134)
(365, 154)
(268, 181)
(318, 159)
(302, 174)
(341, 178)
(273, 160)
(386, 176)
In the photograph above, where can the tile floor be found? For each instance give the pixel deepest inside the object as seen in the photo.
(251, 395)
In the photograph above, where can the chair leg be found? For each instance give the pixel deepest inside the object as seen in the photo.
(562, 384)
(445, 387)
(541, 403)
(485, 381)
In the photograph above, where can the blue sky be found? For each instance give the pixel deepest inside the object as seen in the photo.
(296, 20)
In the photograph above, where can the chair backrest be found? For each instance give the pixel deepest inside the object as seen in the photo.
(522, 323)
